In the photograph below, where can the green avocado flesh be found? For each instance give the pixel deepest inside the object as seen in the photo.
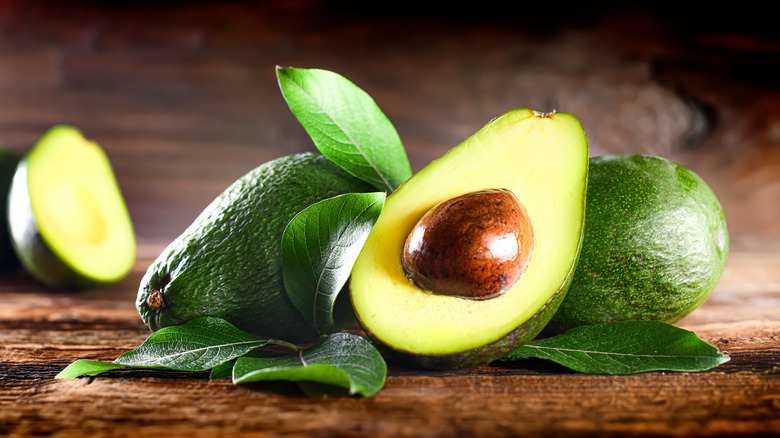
(655, 244)
(69, 223)
(8, 162)
(543, 159)
(228, 263)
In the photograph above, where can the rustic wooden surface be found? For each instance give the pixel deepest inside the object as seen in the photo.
(182, 96)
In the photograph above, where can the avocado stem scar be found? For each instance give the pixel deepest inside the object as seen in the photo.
(155, 299)
(544, 115)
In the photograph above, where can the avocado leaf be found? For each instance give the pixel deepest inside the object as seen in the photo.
(319, 247)
(86, 367)
(197, 345)
(346, 125)
(625, 347)
(342, 359)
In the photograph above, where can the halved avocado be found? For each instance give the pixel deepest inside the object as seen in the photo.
(543, 160)
(68, 221)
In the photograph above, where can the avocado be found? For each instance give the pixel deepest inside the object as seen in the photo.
(542, 161)
(228, 262)
(68, 221)
(8, 162)
(655, 244)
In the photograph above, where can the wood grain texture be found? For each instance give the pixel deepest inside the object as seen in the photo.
(528, 398)
(183, 98)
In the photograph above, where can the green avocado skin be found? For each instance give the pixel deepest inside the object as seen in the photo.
(228, 263)
(655, 244)
(8, 163)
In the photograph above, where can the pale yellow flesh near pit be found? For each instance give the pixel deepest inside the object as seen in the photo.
(78, 207)
(544, 161)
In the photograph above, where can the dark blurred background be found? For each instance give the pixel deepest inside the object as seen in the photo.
(184, 99)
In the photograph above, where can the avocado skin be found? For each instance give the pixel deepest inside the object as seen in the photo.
(228, 263)
(655, 244)
(9, 160)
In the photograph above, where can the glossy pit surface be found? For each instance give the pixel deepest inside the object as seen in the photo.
(476, 245)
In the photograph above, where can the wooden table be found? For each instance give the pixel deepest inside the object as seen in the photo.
(184, 100)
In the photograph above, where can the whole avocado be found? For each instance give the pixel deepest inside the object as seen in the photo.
(228, 263)
(655, 244)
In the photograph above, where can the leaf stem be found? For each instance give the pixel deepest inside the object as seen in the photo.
(286, 344)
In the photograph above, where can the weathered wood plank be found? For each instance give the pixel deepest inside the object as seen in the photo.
(485, 402)
(525, 398)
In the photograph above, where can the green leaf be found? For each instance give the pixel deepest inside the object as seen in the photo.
(319, 247)
(86, 367)
(197, 345)
(346, 125)
(342, 359)
(624, 348)
(222, 371)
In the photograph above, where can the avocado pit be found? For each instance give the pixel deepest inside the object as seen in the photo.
(473, 246)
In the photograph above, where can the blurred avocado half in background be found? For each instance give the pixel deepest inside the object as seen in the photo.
(68, 222)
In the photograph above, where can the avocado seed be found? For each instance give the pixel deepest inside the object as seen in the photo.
(474, 246)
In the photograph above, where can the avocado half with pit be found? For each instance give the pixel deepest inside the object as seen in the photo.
(472, 256)
(68, 221)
